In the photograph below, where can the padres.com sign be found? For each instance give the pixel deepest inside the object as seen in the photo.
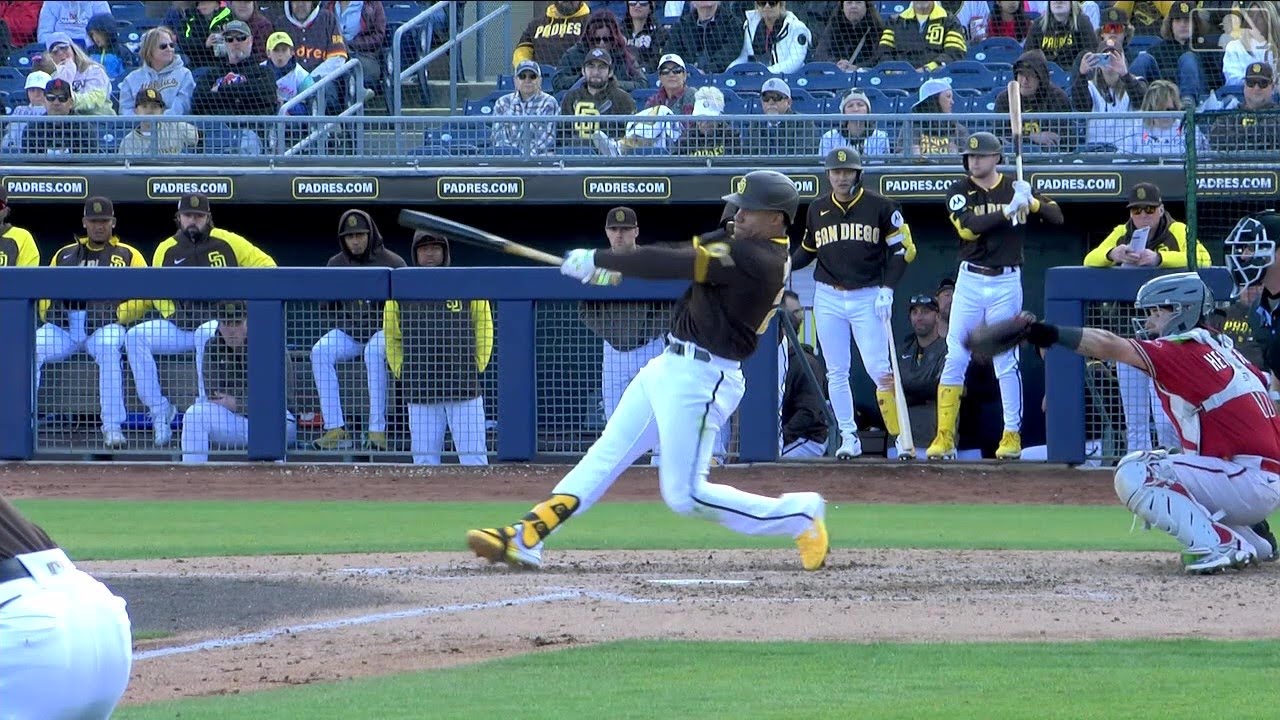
(807, 186)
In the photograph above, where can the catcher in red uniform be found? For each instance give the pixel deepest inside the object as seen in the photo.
(1214, 496)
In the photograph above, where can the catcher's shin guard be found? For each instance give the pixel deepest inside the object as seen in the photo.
(888, 410)
(944, 444)
(545, 517)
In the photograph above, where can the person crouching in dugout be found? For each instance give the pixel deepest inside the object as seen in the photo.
(437, 349)
(221, 415)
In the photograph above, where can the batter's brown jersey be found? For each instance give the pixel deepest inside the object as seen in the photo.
(987, 236)
(736, 286)
(18, 535)
(864, 243)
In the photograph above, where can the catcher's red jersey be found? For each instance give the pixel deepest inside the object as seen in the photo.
(1218, 401)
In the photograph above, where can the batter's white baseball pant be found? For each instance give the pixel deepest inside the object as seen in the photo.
(66, 648)
(841, 316)
(336, 346)
(161, 337)
(1140, 401)
(979, 298)
(54, 344)
(618, 367)
(466, 422)
(683, 402)
(206, 424)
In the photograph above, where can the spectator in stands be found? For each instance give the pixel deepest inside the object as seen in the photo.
(168, 137)
(106, 49)
(924, 35)
(35, 84)
(358, 332)
(87, 78)
(291, 78)
(779, 137)
(598, 95)
(1163, 135)
(1104, 85)
(184, 325)
(674, 92)
(237, 85)
(774, 37)
(220, 416)
(18, 23)
(1062, 34)
(861, 135)
(920, 359)
(162, 70)
(247, 12)
(70, 17)
(1009, 19)
(602, 33)
(1151, 237)
(546, 38)
(659, 134)
(1165, 59)
(1039, 95)
(1255, 127)
(65, 136)
(934, 137)
(317, 37)
(199, 31)
(852, 36)
(95, 327)
(802, 397)
(645, 36)
(528, 99)
(438, 350)
(1256, 44)
(945, 294)
(707, 136)
(1116, 28)
(1147, 16)
(364, 29)
(710, 37)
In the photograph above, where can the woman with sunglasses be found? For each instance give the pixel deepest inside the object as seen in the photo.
(162, 69)
(602, 31)
(645, 36)
(774, 36)
(1161, 135)
(852, 36)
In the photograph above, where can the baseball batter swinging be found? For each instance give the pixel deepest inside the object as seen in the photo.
(863, 247)
(682, 397)
(984, 209)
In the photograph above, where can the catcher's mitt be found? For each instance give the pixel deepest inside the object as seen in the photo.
(987, 341)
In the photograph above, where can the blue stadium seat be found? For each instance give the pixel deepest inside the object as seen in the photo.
(506, 83)
(1143, 42)
(461, 139)
(1058, 76)
(747, 77)
(805, 103)
(642, 95)
(1001, 73)
(400, 12)
(968, 75)
(997, 49)
(139, 28)
(24, 57)
(986, 103)
(478, 107)
(124, 10)
(881, 101)
(889, 8)
(894, 75)
(822, 77)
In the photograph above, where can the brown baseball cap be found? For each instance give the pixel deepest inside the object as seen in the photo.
(149, 95)
(1180, 10)
(98, 208)
(599, 55)
(1144, 194)
(621, 217)
(1259, 71)
(194, 203)
(1114, 16)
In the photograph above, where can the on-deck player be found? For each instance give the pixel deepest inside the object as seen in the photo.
(682, 397)
(984, 209)
(1215, 497)
(863, 246)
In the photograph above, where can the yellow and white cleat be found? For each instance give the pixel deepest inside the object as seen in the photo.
(1010, 446)
(943, 446)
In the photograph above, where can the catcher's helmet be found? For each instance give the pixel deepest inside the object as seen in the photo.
(1184, 293)
(842, 157)
(766, 190)
(1251, 247)
(981, 143)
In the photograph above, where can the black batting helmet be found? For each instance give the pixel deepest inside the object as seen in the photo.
(981, 143)
(842, 157)
(766, 190)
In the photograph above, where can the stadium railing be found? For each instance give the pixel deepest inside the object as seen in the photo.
(420, 27)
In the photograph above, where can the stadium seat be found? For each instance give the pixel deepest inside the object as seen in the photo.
(996, 49)
(967, 75)
(1001, 73)
(1058, 76)
(642, 95)
(478, 107)
(747, 77)
(805, 103)
(882, 103)
(139, 27)
(1140, 43)
(822, 77)
(893, 75)
(24, 57)
(889, 8)
(400, 12)
(124, 10)
(986, 103)
(506, 83)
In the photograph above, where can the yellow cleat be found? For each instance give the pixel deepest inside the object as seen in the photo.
(376, 440)
(332, 440)
(504, 545)
(814, 545)
(1010, 446)
(943, 446)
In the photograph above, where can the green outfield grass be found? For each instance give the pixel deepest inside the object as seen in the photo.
(805, 681)
(101, 529)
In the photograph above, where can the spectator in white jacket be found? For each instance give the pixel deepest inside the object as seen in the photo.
(1257, 43)
(68, 17)
(528, 99)
(1104, 85)
(162, 70)
(775, 37)
(860, 135)
(89, 81)
(1161, 135)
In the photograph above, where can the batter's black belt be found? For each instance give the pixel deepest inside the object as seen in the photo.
(13, 569)
(989, 270)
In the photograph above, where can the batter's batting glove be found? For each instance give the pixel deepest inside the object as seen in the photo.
(884, 303)
(580, 265)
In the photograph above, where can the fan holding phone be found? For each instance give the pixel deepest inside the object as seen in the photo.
(1104, 85)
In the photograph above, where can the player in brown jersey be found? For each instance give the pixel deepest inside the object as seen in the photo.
(65, 639)
(682, 398)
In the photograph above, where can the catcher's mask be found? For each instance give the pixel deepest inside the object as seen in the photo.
(1183, 293)
(1251, 248)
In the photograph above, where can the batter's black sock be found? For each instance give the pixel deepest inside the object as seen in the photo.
(545, 517)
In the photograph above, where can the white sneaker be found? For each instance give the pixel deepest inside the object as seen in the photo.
(850, 448)
(163, 427)
(113, 439)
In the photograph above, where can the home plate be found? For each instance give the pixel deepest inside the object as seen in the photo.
(697, 581)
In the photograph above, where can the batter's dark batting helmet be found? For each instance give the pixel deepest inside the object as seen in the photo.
(842, 157)
(766, 190)
(981, 143)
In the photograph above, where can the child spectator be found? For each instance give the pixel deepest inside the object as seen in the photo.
(291, 78)
(36, 81)
(106, 49)
(169, 137)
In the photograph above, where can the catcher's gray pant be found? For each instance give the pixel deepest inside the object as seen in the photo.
(206, 423)
(53, 344)
(466, 423)
(161, 337)
(1141, 401)
(335, 347)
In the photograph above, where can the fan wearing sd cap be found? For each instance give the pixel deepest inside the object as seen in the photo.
(862, 246)
(98, 328)
(184, 325)
(681, 398)
(17, 247)
(358, 332)
(984, 209)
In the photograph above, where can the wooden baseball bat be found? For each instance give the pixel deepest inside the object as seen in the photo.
(906, 443)
(1015, 125)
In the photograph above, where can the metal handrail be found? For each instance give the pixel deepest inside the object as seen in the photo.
(455, 39)
(352, 68)
(398, 76)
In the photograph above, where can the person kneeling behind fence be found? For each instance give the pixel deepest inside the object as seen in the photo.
(438, 348)
(221, 414)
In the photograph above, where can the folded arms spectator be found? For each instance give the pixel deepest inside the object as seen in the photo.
(927, 44)
(779, 137)
(709, 38)
(527, 100)
(162, 70)
(852, 36)
(548, 36)
(774, 37)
